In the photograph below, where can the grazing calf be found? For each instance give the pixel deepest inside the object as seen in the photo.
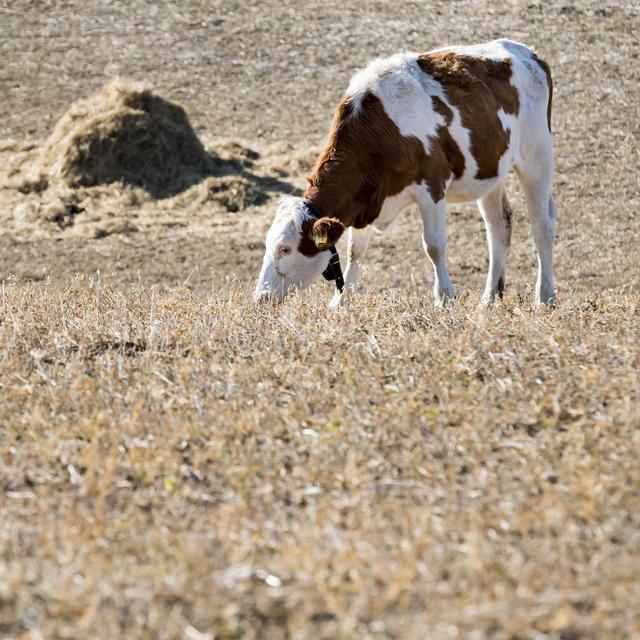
(447, 125)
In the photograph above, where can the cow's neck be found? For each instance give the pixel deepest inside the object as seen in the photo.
(340, 191)
(348, 178)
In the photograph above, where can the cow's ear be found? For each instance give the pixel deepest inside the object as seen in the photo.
(326, 231)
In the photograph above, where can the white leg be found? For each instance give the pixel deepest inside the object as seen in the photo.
(434, 241)
(357, 247)
(542, 217)
(358, 242)
(497, 216)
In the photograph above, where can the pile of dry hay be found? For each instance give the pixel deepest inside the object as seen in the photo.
(127, 160)
(124, 133)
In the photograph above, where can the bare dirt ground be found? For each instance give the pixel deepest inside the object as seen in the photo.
(177, 464)
(266, 76)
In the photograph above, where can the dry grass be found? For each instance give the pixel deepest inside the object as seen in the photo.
(176, 463)
(184, 465)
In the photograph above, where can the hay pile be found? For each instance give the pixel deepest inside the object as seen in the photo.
(124, 133)
(123, 161)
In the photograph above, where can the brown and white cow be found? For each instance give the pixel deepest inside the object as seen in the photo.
(447, 125)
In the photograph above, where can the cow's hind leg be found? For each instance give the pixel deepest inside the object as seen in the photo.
(357, 244)
(434, 241)
(536, 177)
(497, 216)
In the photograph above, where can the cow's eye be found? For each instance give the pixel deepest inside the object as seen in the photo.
(284, 250)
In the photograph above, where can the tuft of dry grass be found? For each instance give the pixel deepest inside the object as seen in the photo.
(182, 464)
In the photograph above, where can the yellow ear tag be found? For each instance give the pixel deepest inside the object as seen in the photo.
(321, 238)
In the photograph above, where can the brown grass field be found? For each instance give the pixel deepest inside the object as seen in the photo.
(178, 463)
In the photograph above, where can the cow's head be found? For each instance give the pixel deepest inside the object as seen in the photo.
(297, 249)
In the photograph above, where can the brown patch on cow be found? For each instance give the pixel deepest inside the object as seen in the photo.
(306, 246)
(478, 88)
(367, 160)
(545, 67)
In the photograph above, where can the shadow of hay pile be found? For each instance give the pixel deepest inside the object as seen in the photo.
(128, 134)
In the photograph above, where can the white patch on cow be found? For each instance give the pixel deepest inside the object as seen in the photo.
(509, 123)
(392, 207)
(405, 93)
(284, 268)
(462, 189)
(366, 79)
(406, 102)
(494, 50)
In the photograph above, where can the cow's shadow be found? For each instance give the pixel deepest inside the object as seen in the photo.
(239, 163)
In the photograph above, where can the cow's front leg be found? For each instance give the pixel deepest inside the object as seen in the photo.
(357, 244)
(434, 241)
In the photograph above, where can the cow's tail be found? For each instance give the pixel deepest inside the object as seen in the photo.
(545, 67)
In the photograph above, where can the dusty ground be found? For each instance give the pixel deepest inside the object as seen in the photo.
(175, 463)
(266, 76)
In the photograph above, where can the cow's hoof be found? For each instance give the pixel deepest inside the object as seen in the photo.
(488, 301)
(549, 303)
(337, 301)
(443, 298)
